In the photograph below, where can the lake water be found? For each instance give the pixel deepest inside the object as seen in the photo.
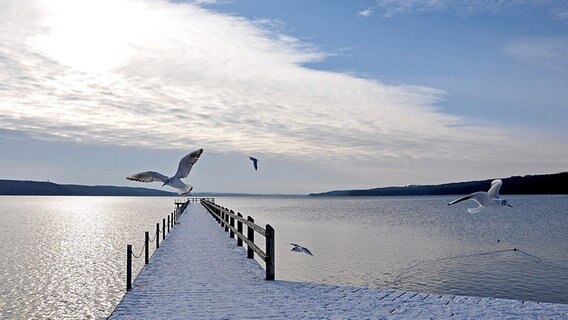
(64, 257)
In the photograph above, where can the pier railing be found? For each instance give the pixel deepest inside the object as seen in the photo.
(233, 223)
(167, 225)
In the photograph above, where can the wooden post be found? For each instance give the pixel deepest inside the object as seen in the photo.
(240, 230)
(157, 235)
(222, 217)
(232, 222)
(168, 223)
(128, 267)
(270, 254)
(146, 247)
(226, 221)
(250, 237)
(164, 229)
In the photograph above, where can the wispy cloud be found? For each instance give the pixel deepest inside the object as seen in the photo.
(548, 53)
(160, 75)
(365, 13)
(554, 8)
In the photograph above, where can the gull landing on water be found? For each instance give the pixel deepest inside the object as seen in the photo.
(184, 167)
(484, 199)
(299, 248)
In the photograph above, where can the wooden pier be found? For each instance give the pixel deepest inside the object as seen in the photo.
(227, 218)
(200, 272)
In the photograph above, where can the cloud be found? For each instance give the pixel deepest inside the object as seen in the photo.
(555, 9)
(159, 75)
(547, 53)
(365, 13)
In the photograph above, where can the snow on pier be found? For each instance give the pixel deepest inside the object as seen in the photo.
(199, 273)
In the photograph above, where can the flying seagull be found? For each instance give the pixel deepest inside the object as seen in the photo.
(184, 167)
(254, 162)
(484, 199)
(299, 248)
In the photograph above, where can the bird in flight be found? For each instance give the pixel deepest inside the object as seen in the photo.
(484, 199)
(299, 248)
(254, 162)
(184, 167)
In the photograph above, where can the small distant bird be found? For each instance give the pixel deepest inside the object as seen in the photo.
(299, 248)
(184, 167)
(484, 199)
(254, 162)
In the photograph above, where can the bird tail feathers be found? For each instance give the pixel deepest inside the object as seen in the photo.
(187, 190)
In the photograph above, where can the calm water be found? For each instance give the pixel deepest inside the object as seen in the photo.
(63, 257)
(422, 244)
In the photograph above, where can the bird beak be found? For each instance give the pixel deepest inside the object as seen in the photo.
(164, 184)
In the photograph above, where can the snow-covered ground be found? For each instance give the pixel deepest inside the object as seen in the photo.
(200, 273)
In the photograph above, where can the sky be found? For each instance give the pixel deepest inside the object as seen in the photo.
(326, 94)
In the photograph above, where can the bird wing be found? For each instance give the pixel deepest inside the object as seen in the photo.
(494, 190)
(476, 209)
(254, 162)
(148, 176)
(295, 245)
(473, 196)
(186, 163)
(306, 250)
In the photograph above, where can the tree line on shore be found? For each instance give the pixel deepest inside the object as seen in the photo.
(556, 183)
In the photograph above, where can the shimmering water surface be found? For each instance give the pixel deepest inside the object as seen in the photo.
(64, 257)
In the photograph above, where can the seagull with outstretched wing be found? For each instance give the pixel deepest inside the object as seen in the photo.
(299, 248)
(184, 167)
(484, 199)
(254, 162)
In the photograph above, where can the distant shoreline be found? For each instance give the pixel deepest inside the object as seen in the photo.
(556, 183)
(549, 184)
(45, 188)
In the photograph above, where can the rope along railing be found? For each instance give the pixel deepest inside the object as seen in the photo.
(167, 225)
(227, 219)
(136, 256)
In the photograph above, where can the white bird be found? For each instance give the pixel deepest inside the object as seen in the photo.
(254, 162)
(484, 199)
(299, 248)
(184, 167)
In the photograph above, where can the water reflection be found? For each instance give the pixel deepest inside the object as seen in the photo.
(64, 257)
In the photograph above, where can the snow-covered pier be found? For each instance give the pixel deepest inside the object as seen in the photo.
(200, 273)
